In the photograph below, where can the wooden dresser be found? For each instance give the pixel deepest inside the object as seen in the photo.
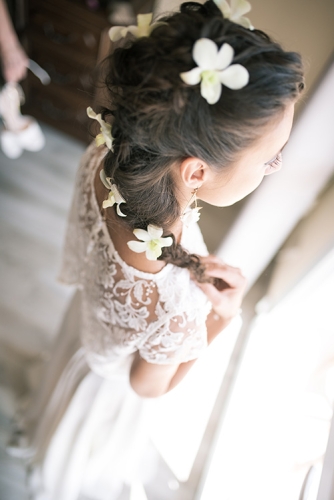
(64, 37)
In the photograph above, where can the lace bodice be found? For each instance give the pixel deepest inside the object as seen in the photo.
(162, 315)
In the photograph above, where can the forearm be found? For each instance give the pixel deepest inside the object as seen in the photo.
(151, 380)
(180, 374)
(215, 324)
(7, 34)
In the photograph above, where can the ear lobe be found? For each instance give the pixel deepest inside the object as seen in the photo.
(193, 172)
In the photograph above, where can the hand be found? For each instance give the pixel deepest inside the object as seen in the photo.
(228, 289)
(14, 63)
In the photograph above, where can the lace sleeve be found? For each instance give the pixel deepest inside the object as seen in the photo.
(176, 341)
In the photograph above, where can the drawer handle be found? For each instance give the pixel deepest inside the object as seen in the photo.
(59, 38)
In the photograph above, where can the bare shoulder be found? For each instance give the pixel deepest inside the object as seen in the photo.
(120, 234)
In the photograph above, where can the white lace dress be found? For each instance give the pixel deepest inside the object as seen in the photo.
(86, 424)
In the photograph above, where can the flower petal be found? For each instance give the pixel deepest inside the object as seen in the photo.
(137, 246)
(225, 56)
(141, 234)
(99, 139)
(245, 22)
(91, 113)
(239, 8)
(108, 203)
(192, 77)
(166, 242)
(144, 20)
(211, 92)
(105, 180)
(153, 254)
(234, 77)
(205, 53)
(94, 115)
(119, 212)
(224, 7)
(118, 197)
(154, 231)
(134, 30)
(117, 32)
(106, 132)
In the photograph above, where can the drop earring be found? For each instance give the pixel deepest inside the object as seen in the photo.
(191, 215)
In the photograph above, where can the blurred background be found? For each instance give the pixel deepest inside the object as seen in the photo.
(254, 417)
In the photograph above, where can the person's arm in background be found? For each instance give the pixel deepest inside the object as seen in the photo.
(14, 60)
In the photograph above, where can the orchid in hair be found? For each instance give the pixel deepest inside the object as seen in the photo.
(144, 28)
(214, 70)
(105, 136)
(235, 12)
(151, 241)
(114, 195)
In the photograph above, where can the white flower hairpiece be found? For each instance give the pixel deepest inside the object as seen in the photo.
(151, 241)
(105, 136)
(235, 12)
(143, 28)
(214, 69)
(114, 195)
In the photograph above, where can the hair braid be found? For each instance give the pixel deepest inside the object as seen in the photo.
(177, 255)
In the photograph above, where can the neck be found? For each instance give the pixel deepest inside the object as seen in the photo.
(177, 229)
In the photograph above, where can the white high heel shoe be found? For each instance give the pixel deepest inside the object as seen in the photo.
(21, 132)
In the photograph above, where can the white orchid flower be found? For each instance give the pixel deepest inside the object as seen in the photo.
(190, 216)
(151, 241)
(114, 195)
(235, 12)
(143, 28)
(105, 137)
(214, 69)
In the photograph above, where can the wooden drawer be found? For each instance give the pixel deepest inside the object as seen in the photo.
(67, 25)
(40, 45)
(64, 38)
(64, 69)
(62, 108)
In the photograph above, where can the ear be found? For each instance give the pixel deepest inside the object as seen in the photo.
(193, 172)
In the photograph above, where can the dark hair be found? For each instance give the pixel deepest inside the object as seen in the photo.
(158, 120)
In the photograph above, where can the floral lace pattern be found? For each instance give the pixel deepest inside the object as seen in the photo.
(162, 315)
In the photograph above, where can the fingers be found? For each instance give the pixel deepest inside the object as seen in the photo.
(210, 291)
(233, 277)
(213, 259)
(229, 274)
(228, 286)
(15, 65)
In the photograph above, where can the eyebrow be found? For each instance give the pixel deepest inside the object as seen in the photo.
(280, 151)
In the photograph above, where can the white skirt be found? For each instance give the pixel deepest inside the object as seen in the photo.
(87, 436)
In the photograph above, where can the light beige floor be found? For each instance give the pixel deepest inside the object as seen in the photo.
(35, 192)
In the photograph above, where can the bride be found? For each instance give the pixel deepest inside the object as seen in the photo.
(200, 108)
